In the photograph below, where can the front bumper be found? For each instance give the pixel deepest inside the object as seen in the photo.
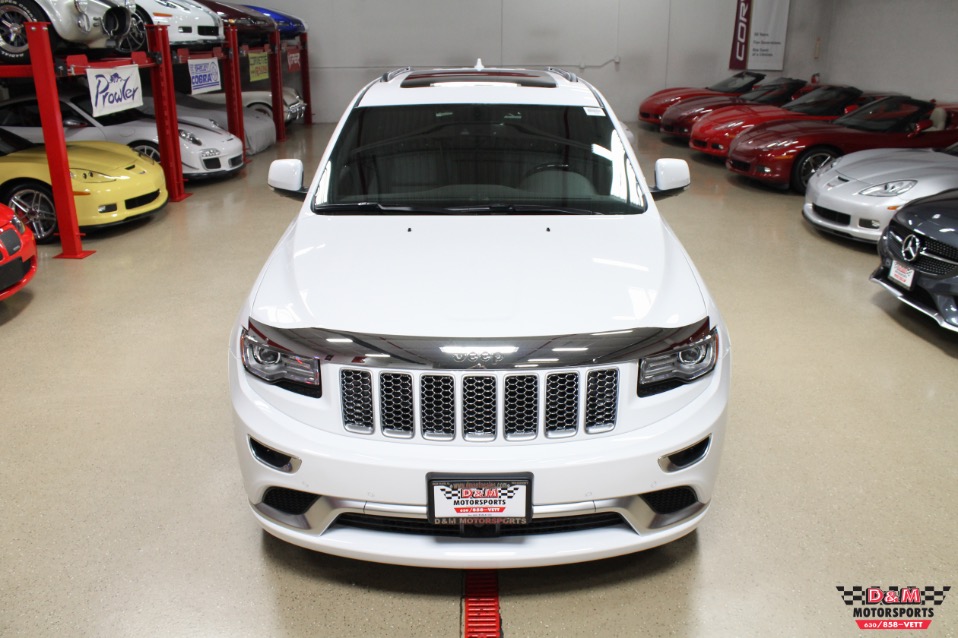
(377, 478)
(775, 171)
(835, 207)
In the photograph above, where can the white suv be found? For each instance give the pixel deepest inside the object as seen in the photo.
(478, 345)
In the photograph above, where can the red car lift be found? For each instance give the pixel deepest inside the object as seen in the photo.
(44, 74)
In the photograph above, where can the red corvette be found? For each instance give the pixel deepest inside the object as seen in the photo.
(18, 253)
(652, 108)
(713, 134)
(787, 153)
(679, 118)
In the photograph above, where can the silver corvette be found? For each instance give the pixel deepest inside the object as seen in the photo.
(856, 195)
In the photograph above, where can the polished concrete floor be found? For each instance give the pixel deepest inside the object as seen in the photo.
(123, 513)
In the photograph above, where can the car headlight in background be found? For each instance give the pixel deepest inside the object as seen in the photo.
(277, 365)
(189, 137)
(680, 364)
(890, 189)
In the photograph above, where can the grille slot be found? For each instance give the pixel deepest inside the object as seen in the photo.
(11, 241)
(142, 200)
(536, 526)
(395, 404)
(357, 396)
(832, 215)
(479, 407)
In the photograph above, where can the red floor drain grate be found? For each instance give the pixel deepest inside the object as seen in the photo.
(481, 605)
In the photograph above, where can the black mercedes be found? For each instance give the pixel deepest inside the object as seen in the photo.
(919, 257)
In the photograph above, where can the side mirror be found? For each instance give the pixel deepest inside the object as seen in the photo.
(286, 175)
(671, 174)
(919, 126)
(74, 122)
(850, 108)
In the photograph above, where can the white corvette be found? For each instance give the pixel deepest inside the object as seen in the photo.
(188, 24)
(478, 344)
(205, 149)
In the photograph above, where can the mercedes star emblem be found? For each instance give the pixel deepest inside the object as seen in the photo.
(911, 247)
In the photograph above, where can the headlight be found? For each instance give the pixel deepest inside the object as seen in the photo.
(189, 137)
(91, 177)
(682, 363)
(277, 365)
(890, 189)
(18, 224)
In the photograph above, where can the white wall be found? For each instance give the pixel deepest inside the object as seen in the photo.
(627, 48)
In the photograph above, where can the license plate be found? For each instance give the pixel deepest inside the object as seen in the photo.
(479, 500)
(902, 274)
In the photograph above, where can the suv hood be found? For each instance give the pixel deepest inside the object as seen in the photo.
(478, 276)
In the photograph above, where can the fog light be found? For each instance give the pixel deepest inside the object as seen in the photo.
(873, 224)
(765, 170)
(718, 147)
(209, 152)
(106, 208)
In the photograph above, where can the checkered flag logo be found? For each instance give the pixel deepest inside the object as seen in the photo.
(448, 492)
(852, 595)
(936, 596)
(510, 491)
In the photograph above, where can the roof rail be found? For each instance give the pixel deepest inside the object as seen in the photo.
(391, 74)
(571, 77)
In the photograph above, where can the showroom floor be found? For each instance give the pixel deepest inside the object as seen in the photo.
(124, 514)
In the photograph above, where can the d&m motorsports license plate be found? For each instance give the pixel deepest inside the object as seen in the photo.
(479, 500)
(901, 274)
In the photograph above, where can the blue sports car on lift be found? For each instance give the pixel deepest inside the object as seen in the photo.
(289, 26)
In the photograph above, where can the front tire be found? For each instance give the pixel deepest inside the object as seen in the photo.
(806, 165)
(135, 38)
(33, 203)
(148, 149)
(14, 14)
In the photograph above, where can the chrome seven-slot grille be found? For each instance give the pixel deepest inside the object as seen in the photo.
(479, 407)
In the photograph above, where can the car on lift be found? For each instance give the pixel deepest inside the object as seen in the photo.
(252, 27)
(677, 120)
(294, 106)
(189, 24)
(110, 183)
(93, 24)
(206, 150)
(919, 257)
(258, 129)
(457, 413)
(788, 153)
(18, 252)
(713, 133)
(652, 107)
(289, 26)
(856, 195)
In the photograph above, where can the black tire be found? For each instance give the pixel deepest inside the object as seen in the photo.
(33, 203)
(135, 38)
(14, 48)
(806, 165)
(149, 149)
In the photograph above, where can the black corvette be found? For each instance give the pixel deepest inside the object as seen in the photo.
(919, 257)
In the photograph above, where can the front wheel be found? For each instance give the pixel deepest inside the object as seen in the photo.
(135, 38)
(14, 14)
(147, 149)
(33, 203)
(806, 165)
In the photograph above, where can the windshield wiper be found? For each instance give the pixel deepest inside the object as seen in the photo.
(386, 209)
(488, 209)
(523, 209)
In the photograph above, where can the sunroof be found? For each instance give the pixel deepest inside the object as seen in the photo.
(467, 76)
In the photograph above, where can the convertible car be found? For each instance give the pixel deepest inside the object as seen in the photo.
(111, 184)
(205, 149)
(713, 133)
(856, 195)
(919, 257)
(789, 153)
(18, 253)
(652, 108)
(679, 118)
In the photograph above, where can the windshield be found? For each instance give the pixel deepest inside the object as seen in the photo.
(828, 100)
(891, 115)
(10, 143)
(474, 158)
(774, 92)
(738, 83)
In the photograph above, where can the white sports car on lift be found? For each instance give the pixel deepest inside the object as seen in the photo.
(205, 149)
(258, 129)
(856, 195)
(262, 101)
(89, 23)
(188, 24)
(478, 344)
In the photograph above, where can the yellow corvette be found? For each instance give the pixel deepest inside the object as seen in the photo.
(111, 183)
